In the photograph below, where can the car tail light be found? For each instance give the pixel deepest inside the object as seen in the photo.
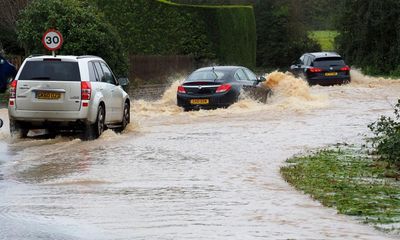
(346, 68)
(315, 70)
(13, 89)
(86, 90)
(181, 89)
(223, 88)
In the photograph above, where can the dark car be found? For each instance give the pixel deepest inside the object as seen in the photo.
(7, 73)
(322, 68)
(213, 87)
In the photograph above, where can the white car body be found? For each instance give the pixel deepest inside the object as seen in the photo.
(43, 102)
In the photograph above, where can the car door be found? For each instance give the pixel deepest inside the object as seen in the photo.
(297, 67)
(258, 90)
(247, 86)
(102, 87)
(117, 101)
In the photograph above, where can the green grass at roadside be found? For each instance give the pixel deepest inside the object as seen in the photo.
(325, 38)
(351, 182)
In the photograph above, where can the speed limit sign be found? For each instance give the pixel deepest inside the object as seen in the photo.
(52, 40)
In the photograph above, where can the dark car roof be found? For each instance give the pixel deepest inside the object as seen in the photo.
(324, 54)
(225, 68)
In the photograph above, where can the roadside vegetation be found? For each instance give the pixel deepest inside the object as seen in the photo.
(85, 32)
(326, 39)
(368, 35)
(362, 182)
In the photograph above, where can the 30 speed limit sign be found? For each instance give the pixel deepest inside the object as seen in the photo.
(52, 40)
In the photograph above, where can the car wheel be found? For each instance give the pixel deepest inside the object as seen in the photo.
(126, 118)
(16, 130)
(93, 131)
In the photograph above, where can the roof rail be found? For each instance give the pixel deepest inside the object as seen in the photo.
(36, 55)
(87, 56)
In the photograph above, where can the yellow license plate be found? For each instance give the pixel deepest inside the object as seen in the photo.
(199, 101)
(330, 74)
(48, 95)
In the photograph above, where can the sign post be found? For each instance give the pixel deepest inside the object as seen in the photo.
(52, 40)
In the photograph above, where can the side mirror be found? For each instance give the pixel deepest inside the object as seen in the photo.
(123, 82)
(1, 122)
(296, 66)
(261, 79)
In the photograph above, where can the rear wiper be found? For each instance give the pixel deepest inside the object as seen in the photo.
(40, 78)
(216, 76)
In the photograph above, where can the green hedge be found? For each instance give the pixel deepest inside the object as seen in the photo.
(217, 34)
(233, 31)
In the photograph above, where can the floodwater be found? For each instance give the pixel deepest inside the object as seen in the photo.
(191, 175)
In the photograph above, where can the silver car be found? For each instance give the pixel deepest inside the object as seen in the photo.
(72, 93)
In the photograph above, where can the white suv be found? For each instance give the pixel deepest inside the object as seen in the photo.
(67, 93)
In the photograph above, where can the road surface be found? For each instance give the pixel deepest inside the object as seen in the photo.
(190, 175)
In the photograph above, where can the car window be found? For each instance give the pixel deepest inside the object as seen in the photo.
(108, 76)
(328, 62)
(307, 61)
(51, 71)
(250, 75)
(241, 75)
(99, 71)
(206, 75)
(301, 60)
(93, 76)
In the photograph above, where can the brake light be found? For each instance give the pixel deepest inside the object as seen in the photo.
(346, 68)
(181, 89)
(223, 88)
(86, 90)
(13, 89)
(315, 70)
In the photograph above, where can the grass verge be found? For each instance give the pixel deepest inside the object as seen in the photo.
(325, 38)
(350, 181)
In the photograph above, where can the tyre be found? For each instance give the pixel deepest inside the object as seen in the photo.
(17, 130)
(126, 118)
(93, 131)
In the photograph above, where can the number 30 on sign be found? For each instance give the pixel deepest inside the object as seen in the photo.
(52, 40)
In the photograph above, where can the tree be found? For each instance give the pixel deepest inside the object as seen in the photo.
(369, 35)
(85, 31)
(282, 38)
(8, 18)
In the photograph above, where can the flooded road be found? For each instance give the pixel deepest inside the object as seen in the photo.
(190, 175)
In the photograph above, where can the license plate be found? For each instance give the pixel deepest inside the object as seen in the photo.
(199, 101)
(330, 74)
(48, 95)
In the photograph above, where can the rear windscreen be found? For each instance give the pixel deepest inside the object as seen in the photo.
(328, 62)
(51, 71)
(206, 75)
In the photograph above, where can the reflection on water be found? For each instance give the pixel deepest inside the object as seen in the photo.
(190, 175)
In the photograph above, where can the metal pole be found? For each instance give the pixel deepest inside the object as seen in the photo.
(54, 53)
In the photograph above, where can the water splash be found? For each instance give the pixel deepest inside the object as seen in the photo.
(293, 93)
(359, 79)
(289, 93)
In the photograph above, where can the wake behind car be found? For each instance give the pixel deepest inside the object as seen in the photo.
(74, 93)
(322, 68)
(220, 86)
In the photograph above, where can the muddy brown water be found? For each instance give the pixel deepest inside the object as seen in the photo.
(191, 175)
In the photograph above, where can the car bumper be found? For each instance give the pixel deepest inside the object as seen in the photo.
(48, 116)
(215, 100)
(328, 81)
